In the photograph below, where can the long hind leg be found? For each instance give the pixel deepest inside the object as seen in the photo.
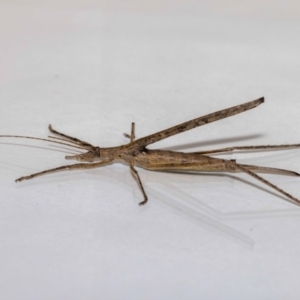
(222, 166)
(231, 166)
(270, 170)
(246, 170)
(260, 147)
(70, 138)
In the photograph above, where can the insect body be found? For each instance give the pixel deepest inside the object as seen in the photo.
(136, 152)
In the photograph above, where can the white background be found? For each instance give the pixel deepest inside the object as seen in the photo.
(90, 69)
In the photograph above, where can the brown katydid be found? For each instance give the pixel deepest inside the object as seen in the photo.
(136, 152)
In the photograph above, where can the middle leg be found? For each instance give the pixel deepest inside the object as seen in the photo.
(137, 177)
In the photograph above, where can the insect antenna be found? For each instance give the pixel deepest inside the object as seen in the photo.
(71, 139)
(67, 143)
(65, 140)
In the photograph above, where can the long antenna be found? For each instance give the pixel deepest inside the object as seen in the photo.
(40, 139)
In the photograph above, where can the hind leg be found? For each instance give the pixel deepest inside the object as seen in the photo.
(227, 165)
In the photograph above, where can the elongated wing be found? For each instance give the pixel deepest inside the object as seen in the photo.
(222, 114)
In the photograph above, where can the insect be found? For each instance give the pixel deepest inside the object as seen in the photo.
(136, 153)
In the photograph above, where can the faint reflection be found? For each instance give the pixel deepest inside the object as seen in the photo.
(174, 197)
(212, 142)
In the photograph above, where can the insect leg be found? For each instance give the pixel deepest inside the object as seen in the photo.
(222, 114)
(136, 175)
(244, 169)
(260, 147)
(132, 135)
(226, 165)
(67, 167)
(221, 166)
(270, 170)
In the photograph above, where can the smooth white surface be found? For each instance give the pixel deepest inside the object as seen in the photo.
(90, 71)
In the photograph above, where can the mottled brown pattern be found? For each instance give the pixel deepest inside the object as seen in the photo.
(222, 114)
(136, 153)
